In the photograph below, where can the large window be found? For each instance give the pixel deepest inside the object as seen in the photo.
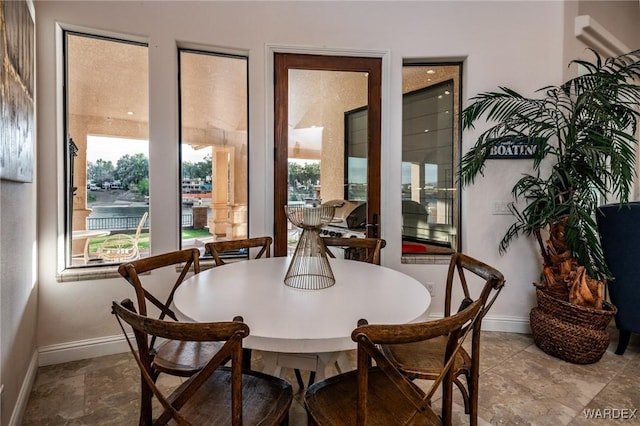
(213, 146)
(430, 151)
(106, 154)
(355, 156)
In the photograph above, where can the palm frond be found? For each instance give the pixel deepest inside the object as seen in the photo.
(584, 129)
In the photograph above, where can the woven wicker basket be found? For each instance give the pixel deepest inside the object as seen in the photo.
(572, 333)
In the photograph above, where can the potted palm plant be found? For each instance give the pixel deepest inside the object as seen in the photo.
(582, 138)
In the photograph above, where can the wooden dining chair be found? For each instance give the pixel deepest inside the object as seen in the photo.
(218, 248)
(381, 394)
(217, 394)
(363, 249)
(173, 357)
(424, 360)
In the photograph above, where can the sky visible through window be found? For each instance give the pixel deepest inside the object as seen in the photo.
(430, 173)
(111, 149)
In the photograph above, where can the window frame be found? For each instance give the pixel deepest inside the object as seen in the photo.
(69, 270)
(456, 148)
(224, 54)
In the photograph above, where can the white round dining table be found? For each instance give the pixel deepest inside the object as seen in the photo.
(289, 320)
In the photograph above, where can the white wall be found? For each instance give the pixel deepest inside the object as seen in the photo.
(516, 44)
(18, 293)
(18, 287)
(503, 43)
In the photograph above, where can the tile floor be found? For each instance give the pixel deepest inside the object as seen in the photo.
(519, 385)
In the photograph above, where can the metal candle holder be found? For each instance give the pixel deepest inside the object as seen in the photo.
(309, 268)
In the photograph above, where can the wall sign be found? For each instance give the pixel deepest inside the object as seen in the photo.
(513, 147)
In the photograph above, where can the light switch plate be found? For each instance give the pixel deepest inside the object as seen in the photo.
(501, 207)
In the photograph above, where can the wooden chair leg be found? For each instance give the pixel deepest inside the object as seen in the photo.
(447, 401)
(299, 378)
(285, 421)
(146, 394)
(623, 341)
(312, 378)
(463, 391)
(246, 359)
(474, 385)
(311, 421)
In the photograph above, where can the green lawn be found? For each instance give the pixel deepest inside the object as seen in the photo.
(143, 241)
(195, 233)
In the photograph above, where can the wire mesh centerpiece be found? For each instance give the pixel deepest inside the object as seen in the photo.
(309, 268)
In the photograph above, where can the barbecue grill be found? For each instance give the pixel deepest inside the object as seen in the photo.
(349, 220)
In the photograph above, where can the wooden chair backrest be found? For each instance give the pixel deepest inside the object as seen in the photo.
(370, 246)
(458, 266)
(218, 247)
(231, 333)
(131, 271)
(369, 336)
(493, 284)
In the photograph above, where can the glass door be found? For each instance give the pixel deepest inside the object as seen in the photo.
(321, 154)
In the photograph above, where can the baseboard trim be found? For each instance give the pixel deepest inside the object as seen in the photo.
(498, 323)
(25, 391)
(82, 349)
(506, 324)
(109, 345)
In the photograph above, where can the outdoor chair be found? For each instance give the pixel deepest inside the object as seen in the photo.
(121, 247)
(218, 249)
(363, 249)
(424, 360)
(381, 394)
(216, 395)
(173, 357)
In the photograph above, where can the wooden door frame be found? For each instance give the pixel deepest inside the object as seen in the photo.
(282, 63)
